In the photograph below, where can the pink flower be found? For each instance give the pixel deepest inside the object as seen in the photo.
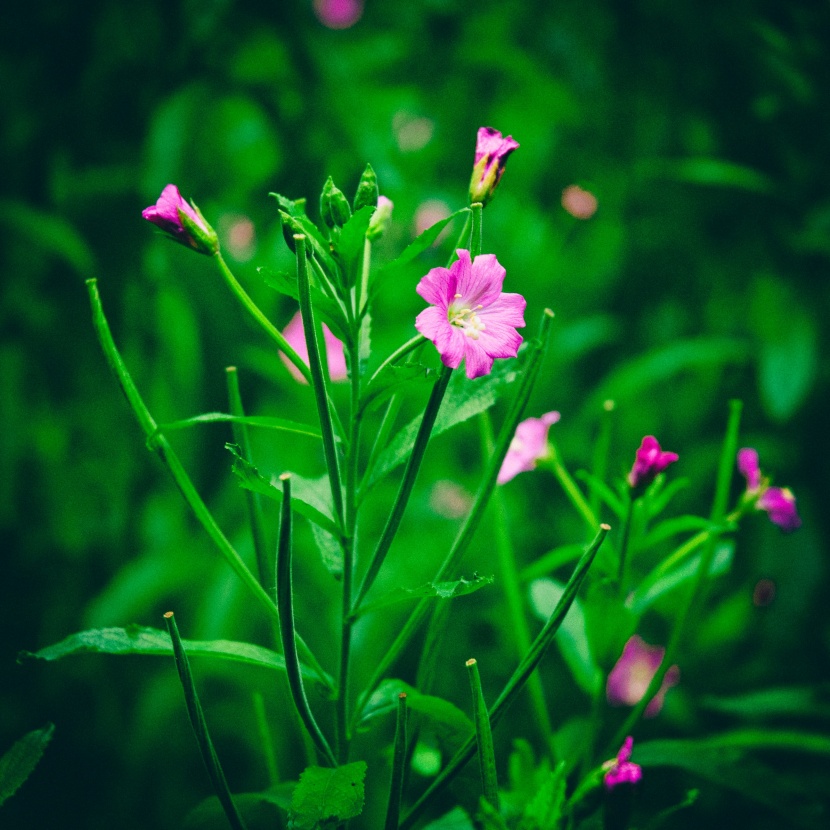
(649, 461)
(338, 14)
(581, 204)
(492, 151)
(621, 770)
(181, 221)
(632, 673)
(295, 335)
(469, 317)
(529, 445)
(778, 502)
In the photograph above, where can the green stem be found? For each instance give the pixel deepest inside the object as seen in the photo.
(265, 740)
(601, 449)
(159, 444)
(626, 535)
(484, 738)
(263, 321)
(363, 293)
(318, 380)
(572, 491)
(465, 536)
(724, 479)
(476, 209)
(242, 438)
(462, 240)
(512, 590)
(400, 352)
(197, 721)
(519, 677)
(393, 808)
(380, 441)
(285, 603)
(413, 465)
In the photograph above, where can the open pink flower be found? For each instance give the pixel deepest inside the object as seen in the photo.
(492, 151)
(632, 673)
(777, 502)
(649, 461)
(295, 335)
(469, 317)
(181, 221)
(529, 446)
(621, 770)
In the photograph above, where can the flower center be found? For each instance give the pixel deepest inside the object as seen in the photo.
(466, 318)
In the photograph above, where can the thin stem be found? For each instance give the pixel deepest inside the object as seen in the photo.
(413, 465)
(602, 447)
(519, 677)
(318, 381)
(197, 721)
(263, 321)
(463, 239)
(285, 603)
(400, 352)
(512, 590)
(572, 491)
(241, 437)
(159, 444)
(727, 462)
(366, 266)
(465, 536)
(265, 740)
(626, 534)
(393, 808)
(484, 738)
(380, 441)
(476, 209)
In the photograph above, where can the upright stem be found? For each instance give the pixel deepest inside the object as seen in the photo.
(572, 491)
(318, 380)
(476, 236)
(601, 449)
(484, 738)
(626, 534)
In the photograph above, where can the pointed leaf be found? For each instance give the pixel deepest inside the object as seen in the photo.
(264, 421)
(422, 242)
(18, 763)
(351, 243)
(327, 795)
(438, 590)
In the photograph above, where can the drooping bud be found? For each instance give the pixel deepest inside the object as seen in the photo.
(182, 221)
(334, 207)
(367, 189)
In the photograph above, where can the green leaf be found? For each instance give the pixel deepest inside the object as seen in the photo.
(544, 810)
(330, 549)
(456, 819)
(573, 636)
(615, 502)
(781, 702)
(136, 639)
(421, 242)
(551, 561)
(390, 380)
(672, 527)
(350, 245)
(18, 763)
(264, 421)
(326, 794)
(464, 399)
(307, 496)
(660, 494)
(709, 172)
(438, 590)
(264, 809)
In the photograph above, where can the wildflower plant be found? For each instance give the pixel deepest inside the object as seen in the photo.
(604, 586)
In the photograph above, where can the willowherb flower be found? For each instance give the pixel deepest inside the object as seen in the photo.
(632, 673)
(182, 221)
(777, 502)
(649, 461)
(492, 150)
(294, 333)
(528, 447)
(621, 770)
(469, 317)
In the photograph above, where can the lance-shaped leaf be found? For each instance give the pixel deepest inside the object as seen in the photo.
(421, 243)
(18, 763)
(263, 421)
(349, 247)
(438, 590)
(327, 796)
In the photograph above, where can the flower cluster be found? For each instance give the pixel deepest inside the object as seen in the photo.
(777, 502)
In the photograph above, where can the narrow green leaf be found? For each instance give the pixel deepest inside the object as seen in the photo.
(603, 491)
(456, 819)
(18, 763)
(708, 172)
(390, 380)
(137, 639)
(484, 740)
(438, 590)
(264, 421)
(349, 247)
(784, 701)
(672, 527)
(422, 242)
(327, 796)
(263, 809)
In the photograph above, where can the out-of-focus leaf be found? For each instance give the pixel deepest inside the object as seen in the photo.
(572, 638)
(661, 493)
(550, 561)
(390, 380)
(330, 549)
(257, 809)
(264, 421)
(456, 819)
(605, 493)
(671, 527)
(18, 763)
(420, 243)
(709, 172)
(137, 639)
(781, 702)
(327, 796)
(437, 590)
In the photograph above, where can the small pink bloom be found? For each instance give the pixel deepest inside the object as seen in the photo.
(632, 673)
(581, 204)
(469, 317)
(492, 150)
(338, 14)
(167, 215)
(621, 770)
(295, 335)
(649, 461)
(529, 445)
(778, 502)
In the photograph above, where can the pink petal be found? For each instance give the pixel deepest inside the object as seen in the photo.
(437, 287)
(749, 468)
(482, 281)
(478, 361)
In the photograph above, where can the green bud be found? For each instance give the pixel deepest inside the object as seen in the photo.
(334, 207)
(367, 189)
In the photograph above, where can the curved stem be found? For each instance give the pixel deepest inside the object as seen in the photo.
(626, 534)
(572, 491)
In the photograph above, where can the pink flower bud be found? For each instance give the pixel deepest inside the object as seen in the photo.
(492, 151)
(182, 221)
(649, 461)
(621, 770)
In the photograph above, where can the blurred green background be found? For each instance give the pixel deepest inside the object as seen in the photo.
(702, 129)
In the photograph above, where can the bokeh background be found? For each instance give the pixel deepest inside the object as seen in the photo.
(701, 128)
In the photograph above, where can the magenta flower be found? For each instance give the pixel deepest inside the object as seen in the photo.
(621, 770)
(492, 151)
(649, 461)
(182, 221)
(632, 673)
(529, 446)
(469, 317)
(778, 502)
(295, 335)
